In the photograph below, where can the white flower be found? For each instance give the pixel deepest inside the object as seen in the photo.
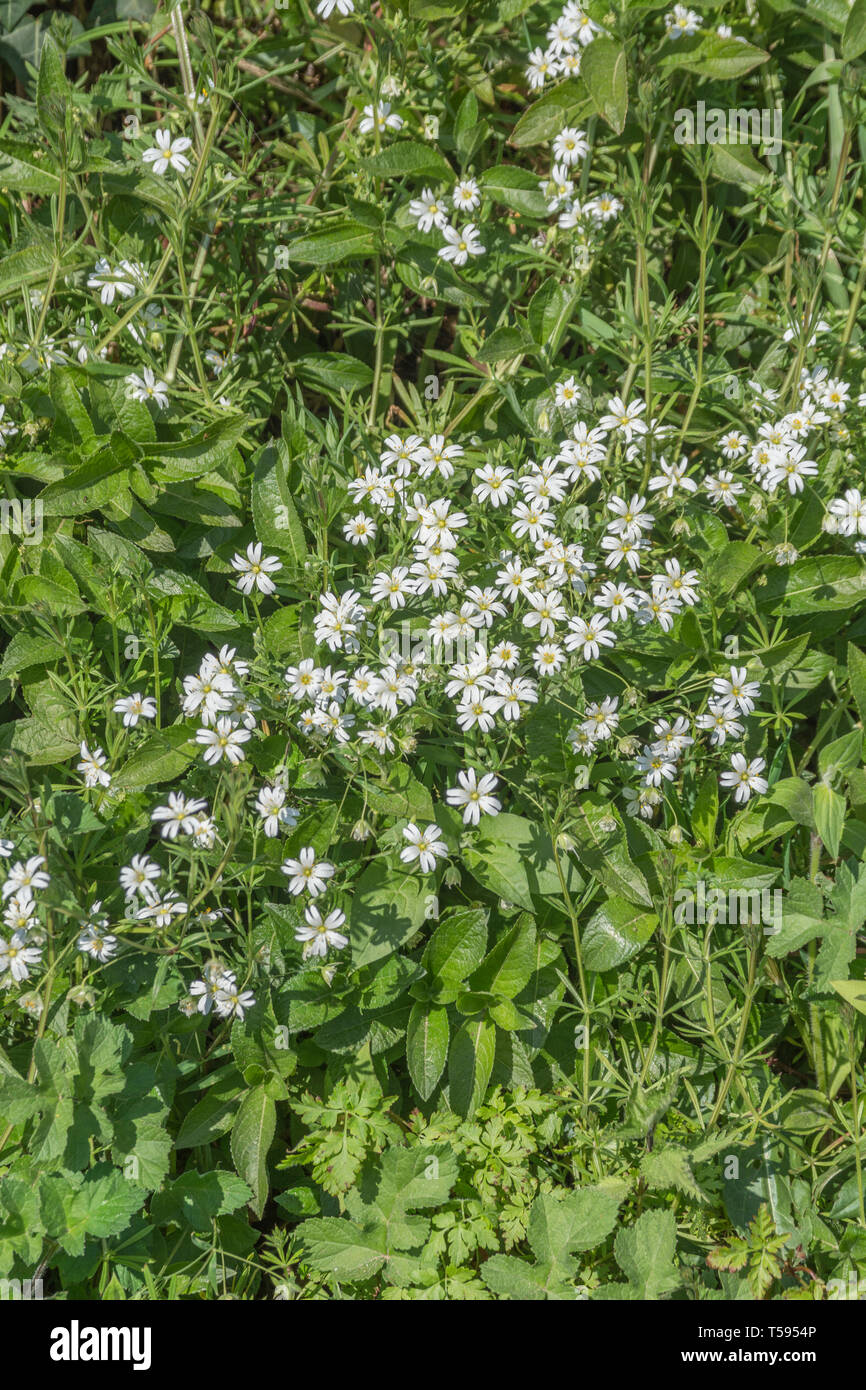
(737, 691)
(325, 8)
(361, 530)
(466, 195)
(17, 957)
(26, 875)
(541, 66)
(460, 245)
(308, 873)
(254, 569)
(178, 815)
(570, 145)
(122, 281)
(228, 1001)
(850, 513)
(601, 719)
(161, 912)
(724, 488)
(745, 777)
(428, 211)
(147, 388)
(139, 877)
(168, 152)
(93, 767)
(7, 429)
(96, 943)
(424, 846)
(475, 796)
(624, 418)
(381, 118)
(207, 694)
(321, 932)
(270, 805)
(135, 707)
(223, 741)
(721, 720)
(496, 484)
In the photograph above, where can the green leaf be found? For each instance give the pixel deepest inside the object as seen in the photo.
(341, 241)
(730, 567)
(514, 858)
(203, 452)
(52, 89)
(342, 1248)
(515, 187)
(823, 584)
(28, 170)
(409, 157)
(504, 343)
(645, 1254)
(841, 756)
(427, 1038)
(669, 1169)
(388, 906)
(710, 55)
(163, 757)
(197, 1199)
(511, 963)
(29, 649)
(857, 672)
(579, 1221)
(470, 1064)
(854, 37)
(615, 933)
(563, 105)
(602, 849)
(333, 370)
(736, 164)
(457, 945)
(277, 523)
(97, 1203)
(852, 991)
(604, 69)
(829, 809)
(252, 1133)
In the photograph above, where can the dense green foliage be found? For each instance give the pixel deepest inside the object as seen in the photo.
(318, 1029)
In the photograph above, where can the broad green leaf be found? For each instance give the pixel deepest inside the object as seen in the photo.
(514, 858)
(563, 105)
(854, 37)
(99, 1203)
(511, 962)
(277, 523)
(470, 1063)
(857, 674)
(614, 933)
(389, 905)
(164, 756)
(829, 809)
(604, 70)
(457, 945)
(427, 1047)
(516, 188)
(252, 1133)
(196, 1199)
(645, 1254)
(409, 157)
(340, 241)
